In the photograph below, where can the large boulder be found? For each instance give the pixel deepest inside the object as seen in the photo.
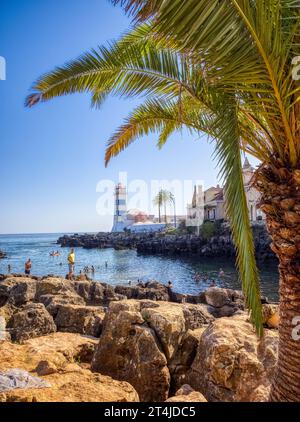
(129, 350)
(168, 322)
(231, 363)
(224, 302)
(171, 321)
(80, 319)
(17, 290)
(31, 320)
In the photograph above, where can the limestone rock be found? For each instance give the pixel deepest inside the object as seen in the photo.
(52, 302)
(95, 293)
(183, 359)
(168, 322)
(151, 290)
(194, 396)
(17, 290)
(271, 315)
(32, 320)
(196, 316)
(129, 350)
(224, 302)
(184, 390)
(53, 286)
(58, 349)
(80, 319)
(81, 386)
(231, 362)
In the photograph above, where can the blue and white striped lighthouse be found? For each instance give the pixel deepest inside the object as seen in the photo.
(120, 208)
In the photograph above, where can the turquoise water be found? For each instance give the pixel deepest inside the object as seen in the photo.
(125, 265)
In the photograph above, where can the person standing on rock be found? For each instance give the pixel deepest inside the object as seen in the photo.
(71, 261)
(28, 266)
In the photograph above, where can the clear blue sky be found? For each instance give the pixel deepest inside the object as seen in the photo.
(52, 155)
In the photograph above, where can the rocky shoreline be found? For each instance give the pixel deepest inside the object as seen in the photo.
(172, 244)
(88, 341)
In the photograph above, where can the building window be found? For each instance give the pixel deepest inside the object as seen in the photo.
(120, 202)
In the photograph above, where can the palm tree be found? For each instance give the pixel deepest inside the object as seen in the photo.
(163, 198)
(158, 202)
(223, 69)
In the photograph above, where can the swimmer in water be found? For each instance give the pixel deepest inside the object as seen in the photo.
(221, 272)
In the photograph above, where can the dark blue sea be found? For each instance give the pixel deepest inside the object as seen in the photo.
(126, 265)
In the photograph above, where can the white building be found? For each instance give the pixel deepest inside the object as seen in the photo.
(195, 210)
(212, 204)
(252, 194)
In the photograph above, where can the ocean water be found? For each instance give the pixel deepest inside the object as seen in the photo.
(126, 265)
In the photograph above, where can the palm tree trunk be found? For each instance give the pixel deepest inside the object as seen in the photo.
(159, 218)
(280, 188)
(165, 207)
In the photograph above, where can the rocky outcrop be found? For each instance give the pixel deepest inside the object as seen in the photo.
(142, 341)
(129, 350)
(31, 320)
(156, 346)
(171, 244)
(231, 363)
(2, 255)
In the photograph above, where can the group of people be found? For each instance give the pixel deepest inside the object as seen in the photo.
(71, 265)
(55, 253)
(200, 278)
(27, 267)
(88, 269)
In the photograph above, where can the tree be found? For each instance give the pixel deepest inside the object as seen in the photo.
(223, 69)
(163, 198)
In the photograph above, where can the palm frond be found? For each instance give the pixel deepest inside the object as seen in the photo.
(229, 161)
(153, 116)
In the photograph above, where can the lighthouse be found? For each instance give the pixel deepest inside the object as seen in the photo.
(120, 208)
